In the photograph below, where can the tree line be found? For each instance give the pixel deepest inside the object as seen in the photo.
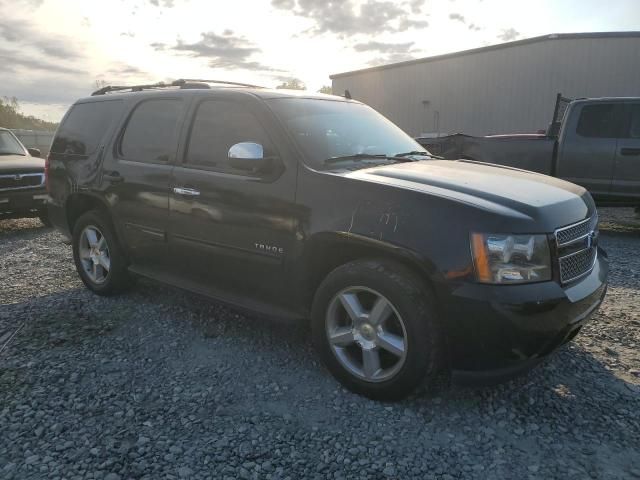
(11, 117)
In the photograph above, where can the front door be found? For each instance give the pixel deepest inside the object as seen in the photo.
(626, 180)
(588, 147)
(136, 176)
(231, 230)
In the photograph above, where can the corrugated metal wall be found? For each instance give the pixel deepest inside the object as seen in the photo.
(505, 90)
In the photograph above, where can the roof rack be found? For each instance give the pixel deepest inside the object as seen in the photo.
(182, 83)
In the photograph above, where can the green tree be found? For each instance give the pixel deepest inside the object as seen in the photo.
(11, 117)
(293, 84)
(326, 89)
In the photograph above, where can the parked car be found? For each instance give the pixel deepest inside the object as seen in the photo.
(22, 180)
(308, 206)
(596, 144)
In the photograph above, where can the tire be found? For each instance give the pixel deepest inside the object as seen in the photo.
(106, 252)
(362, 285)
(44, 218)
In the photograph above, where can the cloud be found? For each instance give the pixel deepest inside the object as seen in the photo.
(383, 47)
(21, 32)
(13, 60)
(126, 70)
(457, 17)
(509, 34)
(163, 3)
(416, 5)
(345, 18)
(392, 58)
(227, 50)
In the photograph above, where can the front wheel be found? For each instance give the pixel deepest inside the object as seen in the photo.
(375, 328)
(99, 259)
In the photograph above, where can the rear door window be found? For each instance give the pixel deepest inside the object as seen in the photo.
(602, 120)
(217, 126)
(151, 134)
(85, 126)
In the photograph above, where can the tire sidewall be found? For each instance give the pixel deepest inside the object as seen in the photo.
(409, 298)
(114, 281)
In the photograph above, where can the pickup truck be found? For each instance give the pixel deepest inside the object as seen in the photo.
(593, 142)
(22, 180)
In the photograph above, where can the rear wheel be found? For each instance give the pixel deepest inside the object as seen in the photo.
(375, 328)
(98, 256)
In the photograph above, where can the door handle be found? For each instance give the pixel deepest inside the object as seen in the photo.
(629, 151)
(187, 192)
(112, 176)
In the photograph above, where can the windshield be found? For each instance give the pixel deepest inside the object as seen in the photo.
(9, 145)
(325, 129)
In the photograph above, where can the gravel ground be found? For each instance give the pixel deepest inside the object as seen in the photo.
(163, 384)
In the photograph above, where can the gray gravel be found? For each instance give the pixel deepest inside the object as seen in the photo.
(163, 384)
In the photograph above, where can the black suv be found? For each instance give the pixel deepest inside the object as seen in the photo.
(316, 207)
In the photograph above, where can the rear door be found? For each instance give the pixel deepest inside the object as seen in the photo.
(136, 174)
(588, 146)
(626, 181)
(232, 230)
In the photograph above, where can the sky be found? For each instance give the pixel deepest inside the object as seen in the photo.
(53, 52)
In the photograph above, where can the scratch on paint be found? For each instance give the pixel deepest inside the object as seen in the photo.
(395, 227)
(353, 216)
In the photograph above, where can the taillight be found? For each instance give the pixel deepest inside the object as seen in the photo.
(46, 171)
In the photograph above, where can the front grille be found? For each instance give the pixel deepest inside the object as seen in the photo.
(21, 181)
(577, 249)
(576, 265)
(569, 234)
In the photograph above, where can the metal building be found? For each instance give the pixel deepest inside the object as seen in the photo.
(505, 88)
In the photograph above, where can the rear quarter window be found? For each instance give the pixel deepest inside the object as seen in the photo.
(85, 126)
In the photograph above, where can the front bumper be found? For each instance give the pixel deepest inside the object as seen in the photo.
(22, 203)
(496, 332)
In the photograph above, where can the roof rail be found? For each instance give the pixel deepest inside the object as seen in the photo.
(183, 83)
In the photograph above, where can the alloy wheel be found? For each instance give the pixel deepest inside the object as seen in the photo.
(366, 334)
(94, 254)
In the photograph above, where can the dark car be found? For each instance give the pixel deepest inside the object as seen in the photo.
(22, 180)
(316, 207)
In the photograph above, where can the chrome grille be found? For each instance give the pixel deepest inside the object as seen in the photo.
(578, 264)
(577, 248)
(569, 234)
(21, 181)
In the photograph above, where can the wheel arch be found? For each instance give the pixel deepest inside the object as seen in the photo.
(78, 204)
(327, 251)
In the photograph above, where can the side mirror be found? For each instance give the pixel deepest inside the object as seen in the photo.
(248, 156)
(34, 152)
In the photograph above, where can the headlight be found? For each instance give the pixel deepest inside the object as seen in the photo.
(503, 258)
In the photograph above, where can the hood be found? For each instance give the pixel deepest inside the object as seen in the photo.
(504, 190)
(20, 164)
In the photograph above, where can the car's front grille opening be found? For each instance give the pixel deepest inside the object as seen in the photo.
(19, 181)
(576, 265)
(577, 249)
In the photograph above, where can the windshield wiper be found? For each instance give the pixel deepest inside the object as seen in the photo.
(11, 153)
(421, 153)
(365, 156)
